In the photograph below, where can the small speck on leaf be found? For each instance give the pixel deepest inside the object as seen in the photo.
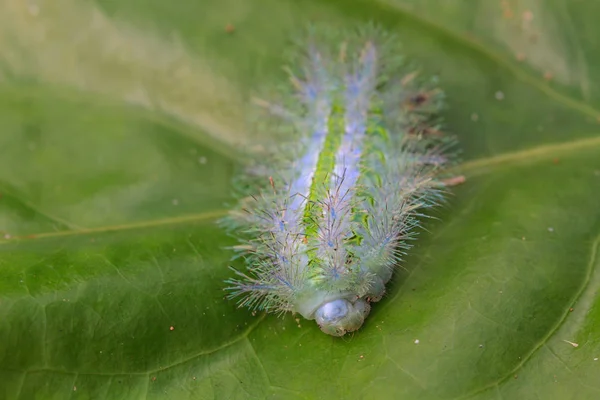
(416, 341)
(533, 38)
(499, 95)
(506, 10)
(571, 343)
(171, 328)
(34, 10)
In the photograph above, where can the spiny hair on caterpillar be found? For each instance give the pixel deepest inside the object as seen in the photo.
(327, 214)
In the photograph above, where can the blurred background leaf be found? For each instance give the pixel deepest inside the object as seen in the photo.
(119, 126)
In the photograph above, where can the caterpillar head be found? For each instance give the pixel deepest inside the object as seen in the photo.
(339, 316)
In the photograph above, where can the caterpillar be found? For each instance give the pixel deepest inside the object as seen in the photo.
(326, 215)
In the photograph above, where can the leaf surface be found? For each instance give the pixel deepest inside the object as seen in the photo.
(120, 126)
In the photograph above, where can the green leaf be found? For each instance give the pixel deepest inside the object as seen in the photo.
(120, 123)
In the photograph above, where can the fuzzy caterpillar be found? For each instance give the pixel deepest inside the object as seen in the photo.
(324, 221)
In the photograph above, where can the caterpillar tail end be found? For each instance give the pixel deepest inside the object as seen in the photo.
(340, 316)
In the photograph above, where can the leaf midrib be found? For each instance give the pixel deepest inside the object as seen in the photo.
(472, 168)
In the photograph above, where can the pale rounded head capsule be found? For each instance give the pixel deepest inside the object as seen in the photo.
(340, 316)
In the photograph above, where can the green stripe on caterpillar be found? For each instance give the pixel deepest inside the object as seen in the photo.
(329, 213)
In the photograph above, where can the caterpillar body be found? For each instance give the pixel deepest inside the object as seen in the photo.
(326, 216)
